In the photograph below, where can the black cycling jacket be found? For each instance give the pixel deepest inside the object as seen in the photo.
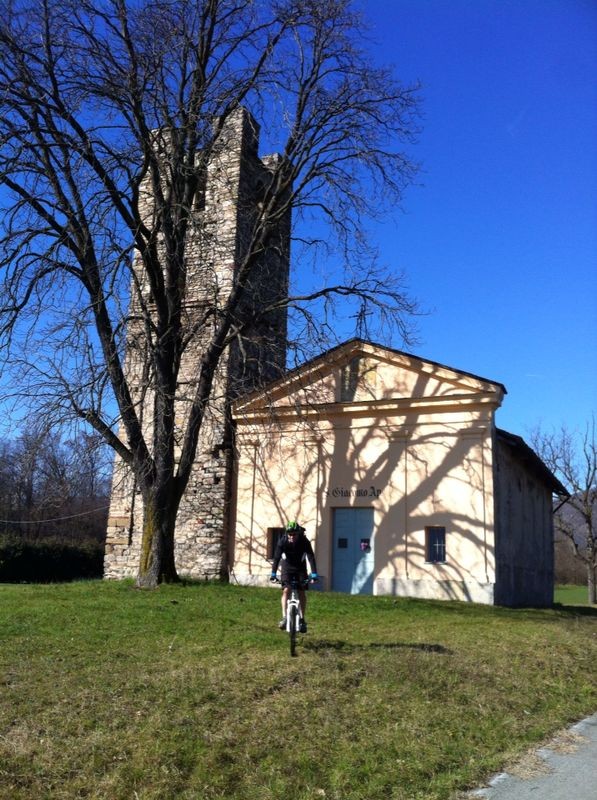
(294, 555)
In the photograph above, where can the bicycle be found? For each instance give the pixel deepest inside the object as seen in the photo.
(294, 611)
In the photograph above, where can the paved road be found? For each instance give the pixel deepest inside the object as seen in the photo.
(564, 770)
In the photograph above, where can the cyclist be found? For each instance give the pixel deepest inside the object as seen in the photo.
(294, 551)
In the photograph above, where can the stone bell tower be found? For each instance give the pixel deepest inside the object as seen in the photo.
(222, 219)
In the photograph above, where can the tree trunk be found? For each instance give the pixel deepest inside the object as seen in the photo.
(592, 583)
(157, 545)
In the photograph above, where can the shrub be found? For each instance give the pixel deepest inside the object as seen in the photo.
(48, 560)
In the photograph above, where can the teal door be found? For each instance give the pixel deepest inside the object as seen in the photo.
(353, 557)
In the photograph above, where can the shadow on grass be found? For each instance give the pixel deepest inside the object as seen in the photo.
(345, 647)
(575, 611)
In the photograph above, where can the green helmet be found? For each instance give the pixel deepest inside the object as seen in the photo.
(294, 527)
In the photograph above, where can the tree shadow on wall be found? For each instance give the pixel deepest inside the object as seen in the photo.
(440, 465)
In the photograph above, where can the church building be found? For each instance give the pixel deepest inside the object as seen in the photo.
(393, 463)
(395, 467)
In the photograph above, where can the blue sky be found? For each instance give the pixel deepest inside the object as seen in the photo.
(499, 240)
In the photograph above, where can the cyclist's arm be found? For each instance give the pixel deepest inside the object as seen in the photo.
(310, 556)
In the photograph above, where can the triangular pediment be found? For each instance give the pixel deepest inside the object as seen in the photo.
(360, 373)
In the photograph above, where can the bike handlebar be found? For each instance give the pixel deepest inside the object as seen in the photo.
(295, 581)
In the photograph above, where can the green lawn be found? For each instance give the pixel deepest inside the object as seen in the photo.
(571, 595)
(189, 692)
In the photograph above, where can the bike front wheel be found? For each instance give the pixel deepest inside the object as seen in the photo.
(292, 627)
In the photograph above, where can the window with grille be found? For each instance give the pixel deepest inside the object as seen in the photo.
(435, 544)
(349, 379)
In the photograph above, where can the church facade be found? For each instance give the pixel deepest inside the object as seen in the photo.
(395, 467)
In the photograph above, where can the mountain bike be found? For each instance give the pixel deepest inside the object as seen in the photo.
(294, 611)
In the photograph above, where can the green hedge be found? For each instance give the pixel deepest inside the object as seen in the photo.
(48, 560)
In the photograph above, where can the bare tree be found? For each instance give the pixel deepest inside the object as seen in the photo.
(53, 488)
(86, 86)
(573, 458)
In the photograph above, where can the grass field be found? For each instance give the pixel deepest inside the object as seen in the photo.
(189, 692)
(571, 595)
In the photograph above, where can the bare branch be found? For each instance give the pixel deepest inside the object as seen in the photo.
(573, 458)
(126, 299)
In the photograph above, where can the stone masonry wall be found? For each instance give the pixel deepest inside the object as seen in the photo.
(221, 229)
